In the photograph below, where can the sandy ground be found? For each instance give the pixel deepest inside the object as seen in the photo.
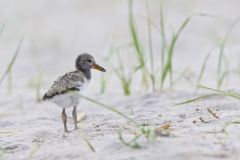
(57, 31)
(37, 132)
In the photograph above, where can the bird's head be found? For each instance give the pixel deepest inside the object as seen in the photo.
(86, 62)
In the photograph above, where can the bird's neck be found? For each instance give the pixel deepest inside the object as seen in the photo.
(86, 73)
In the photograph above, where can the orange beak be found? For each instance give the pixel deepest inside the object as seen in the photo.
(98, 67)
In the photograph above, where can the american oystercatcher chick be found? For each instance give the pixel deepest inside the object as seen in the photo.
(65, 90)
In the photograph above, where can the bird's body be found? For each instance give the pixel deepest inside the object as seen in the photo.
(65, 90)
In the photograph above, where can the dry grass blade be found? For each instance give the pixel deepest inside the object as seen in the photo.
(213, 113)
(10, 65)
(204, 121)
(9, 133)
(6, 114)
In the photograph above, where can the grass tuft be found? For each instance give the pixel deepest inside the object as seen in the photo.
(126, 80)
(132, 143)
(137, 45)
(167, 51)
(135, 37)
(167, 67)
(147, 132)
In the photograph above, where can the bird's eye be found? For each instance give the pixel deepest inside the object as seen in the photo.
(90, 61)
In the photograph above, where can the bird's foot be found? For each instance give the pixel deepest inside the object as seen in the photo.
(76, 128)
(81, 116)
(67, 131)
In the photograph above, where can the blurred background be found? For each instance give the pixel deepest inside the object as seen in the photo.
(56, 31)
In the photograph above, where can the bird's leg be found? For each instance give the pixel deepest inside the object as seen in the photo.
(64, 118)
(74, 114)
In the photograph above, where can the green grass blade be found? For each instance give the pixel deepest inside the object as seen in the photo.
(183, 73)
(89, 145)
(168, 67)
(9, 82)
(163, 36)
(221, 53)
(103, 84)
(217, 93)
(222, 78)
(34, 151)
(202, 71)
(3, 27)
(114, 49)
(196, 99)
(228, 94)
(152, 76)
(10, 65)
(38, 88)
(1, 156)
(172, 46)
(110, 108)
(135, 38)
(132, 143)
(211, 89)
(125, 81)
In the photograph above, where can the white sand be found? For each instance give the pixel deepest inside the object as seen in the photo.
(57, 31)
(40, 124)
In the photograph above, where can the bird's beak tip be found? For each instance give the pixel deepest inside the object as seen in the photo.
(98, 67)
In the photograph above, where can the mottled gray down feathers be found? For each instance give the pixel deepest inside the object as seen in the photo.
(71, 81)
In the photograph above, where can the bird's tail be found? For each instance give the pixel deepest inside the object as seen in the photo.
(45, 97)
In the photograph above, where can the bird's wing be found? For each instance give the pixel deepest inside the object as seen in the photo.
(72, 81)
